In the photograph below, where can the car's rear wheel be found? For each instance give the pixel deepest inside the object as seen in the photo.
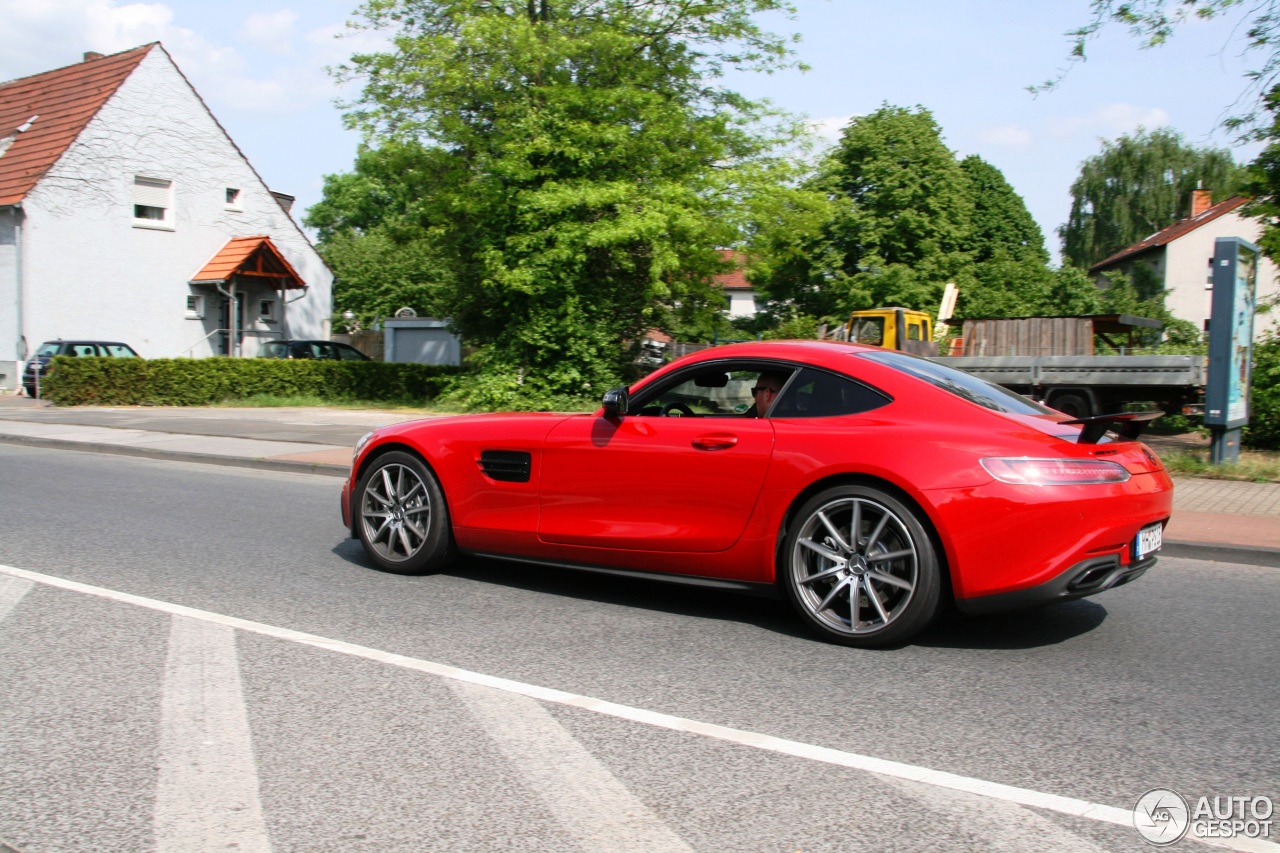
(860, 568)
(401, 517)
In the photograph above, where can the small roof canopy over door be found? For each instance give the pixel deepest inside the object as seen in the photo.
(253, 258)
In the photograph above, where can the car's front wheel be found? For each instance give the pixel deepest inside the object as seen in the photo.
(401, 517)
(860, 568)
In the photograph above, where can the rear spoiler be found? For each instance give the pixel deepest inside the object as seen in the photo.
(1127, 424)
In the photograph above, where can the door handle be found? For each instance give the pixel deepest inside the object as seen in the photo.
(715, 442)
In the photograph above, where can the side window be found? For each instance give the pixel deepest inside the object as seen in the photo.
(817, 394)
(720, 391)
(868, 330)
(118, 351)
(83, 349)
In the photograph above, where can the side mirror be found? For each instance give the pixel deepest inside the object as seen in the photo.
(615, 402)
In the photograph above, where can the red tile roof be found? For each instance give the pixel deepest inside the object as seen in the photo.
(61, 102)
(256, 257)
(736, 278)
(1173, 232)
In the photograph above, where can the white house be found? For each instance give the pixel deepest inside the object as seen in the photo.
(1182, 254)
(128, 214)
(741, 293)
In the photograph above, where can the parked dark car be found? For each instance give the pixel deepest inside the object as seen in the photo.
(38, 366)
(311, 349)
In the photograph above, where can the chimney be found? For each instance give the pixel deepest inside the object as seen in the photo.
(286, 200)
(92, 54)
(1201, 200)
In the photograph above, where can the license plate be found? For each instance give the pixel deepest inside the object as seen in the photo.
(1148, 541)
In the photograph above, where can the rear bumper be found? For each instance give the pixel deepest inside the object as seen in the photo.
(1083, 579)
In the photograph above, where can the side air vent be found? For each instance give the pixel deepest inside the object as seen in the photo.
(509, 466)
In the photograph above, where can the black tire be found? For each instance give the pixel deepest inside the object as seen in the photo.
(401, 516)
(1075, 405)
(878, 590)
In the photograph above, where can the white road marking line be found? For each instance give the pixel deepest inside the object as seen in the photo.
(207, 786)
(1009, 825)
(11, 592)
(1008, 793)
(588, 801)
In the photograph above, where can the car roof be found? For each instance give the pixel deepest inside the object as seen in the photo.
(801, 350)
(292, 341)
(94, 341)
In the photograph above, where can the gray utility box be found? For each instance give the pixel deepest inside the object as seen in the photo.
(421, 340)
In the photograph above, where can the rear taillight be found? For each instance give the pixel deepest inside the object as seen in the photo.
(1054, 472)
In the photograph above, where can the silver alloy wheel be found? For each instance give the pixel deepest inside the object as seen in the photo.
(855, 565)
(396, 513)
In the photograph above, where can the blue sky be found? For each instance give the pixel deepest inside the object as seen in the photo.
(260, 67)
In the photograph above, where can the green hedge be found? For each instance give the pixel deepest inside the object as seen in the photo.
(1263, 431)
(205, 381)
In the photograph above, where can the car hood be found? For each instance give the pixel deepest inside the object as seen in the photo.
(522, 422)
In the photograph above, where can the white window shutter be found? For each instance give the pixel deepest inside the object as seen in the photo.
(151, 192)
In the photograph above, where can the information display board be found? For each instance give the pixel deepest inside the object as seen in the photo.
(1235, 291)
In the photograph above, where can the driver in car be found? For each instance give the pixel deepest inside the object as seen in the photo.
(765, 392)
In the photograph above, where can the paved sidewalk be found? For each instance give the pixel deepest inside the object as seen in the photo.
(1222, 520)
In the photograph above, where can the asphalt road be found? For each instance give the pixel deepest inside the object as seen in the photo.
(121, 714)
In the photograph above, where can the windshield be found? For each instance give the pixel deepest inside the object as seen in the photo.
(48, 349)
(980, 391)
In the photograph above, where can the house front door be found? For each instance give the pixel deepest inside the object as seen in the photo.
(224, 325)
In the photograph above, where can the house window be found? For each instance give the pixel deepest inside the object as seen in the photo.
(233, 199)
(152, 203)
(195, 306)
(267, 310)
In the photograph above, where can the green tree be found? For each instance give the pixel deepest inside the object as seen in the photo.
(1011, 274)
(1001, 221)
(1072, 293)
(1264, 182)
(1263, 431)
(909, 216)
(378, 226)
(884, 221)
(1138, 185)
(789, 255)
(596, 167)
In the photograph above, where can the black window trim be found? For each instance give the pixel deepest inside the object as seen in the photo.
(636, 403)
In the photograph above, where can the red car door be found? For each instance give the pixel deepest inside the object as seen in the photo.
(644, 483)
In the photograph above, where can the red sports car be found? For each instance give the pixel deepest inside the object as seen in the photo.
(870, 487)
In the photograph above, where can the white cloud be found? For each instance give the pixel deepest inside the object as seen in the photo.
(1009, 136)
(1110, 120)
(271, 31)
(829, 129)
(40, 36)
